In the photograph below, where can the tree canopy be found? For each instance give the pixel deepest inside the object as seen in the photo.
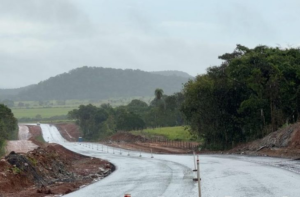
(98, 122)
(252, 93)
(8, 125)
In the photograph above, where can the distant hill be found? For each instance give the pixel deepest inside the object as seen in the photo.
(102, 83)
(173, 73)
(11, 93)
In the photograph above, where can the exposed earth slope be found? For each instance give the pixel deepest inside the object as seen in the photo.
(282, 143)
(49, 169)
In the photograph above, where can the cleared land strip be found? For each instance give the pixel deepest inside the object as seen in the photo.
(23, 145)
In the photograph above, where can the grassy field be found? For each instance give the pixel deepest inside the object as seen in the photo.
(171, 133)
(44, 112)
(50, 108)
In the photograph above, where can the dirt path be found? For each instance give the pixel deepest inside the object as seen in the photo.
(24, 133)
(23, 145)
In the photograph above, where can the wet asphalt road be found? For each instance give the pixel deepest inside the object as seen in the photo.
(171, 175)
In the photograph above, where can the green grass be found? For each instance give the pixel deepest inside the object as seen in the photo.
(40, 139)
(44, 112)
(171, 133)
(51, 108)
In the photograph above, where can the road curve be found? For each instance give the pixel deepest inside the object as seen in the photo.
(171, 175)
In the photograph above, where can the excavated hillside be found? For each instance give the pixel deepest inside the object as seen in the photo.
(284, 142)
(49, 170)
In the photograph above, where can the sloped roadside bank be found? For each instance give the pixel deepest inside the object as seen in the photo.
(49, 170)
(284, 143)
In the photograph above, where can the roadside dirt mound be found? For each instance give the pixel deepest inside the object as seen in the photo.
(49, 170)
(127, 137)
(139, 143)
(284, 142)
(69, 131)
(36, 133)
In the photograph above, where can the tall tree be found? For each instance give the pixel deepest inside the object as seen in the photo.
(158, 93)
(252, 93)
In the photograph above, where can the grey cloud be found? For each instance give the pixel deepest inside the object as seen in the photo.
(48, 11)
(244, 20)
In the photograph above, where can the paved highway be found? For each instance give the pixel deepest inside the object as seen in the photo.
(171, 175)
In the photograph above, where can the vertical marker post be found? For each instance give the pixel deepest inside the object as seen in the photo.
(151, 153)
(195, 167)
(198, 176)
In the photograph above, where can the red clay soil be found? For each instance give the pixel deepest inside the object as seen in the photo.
(51, 170)
(69, 131)
(35, 132)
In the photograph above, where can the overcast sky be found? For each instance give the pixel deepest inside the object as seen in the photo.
(42, 38)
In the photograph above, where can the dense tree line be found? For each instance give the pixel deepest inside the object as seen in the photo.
(252, 93)
(100, 83)
(8, 125)
(98, 122)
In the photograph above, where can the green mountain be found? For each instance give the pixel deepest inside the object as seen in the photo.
(173, 73)
(13, 92)
(101, 83)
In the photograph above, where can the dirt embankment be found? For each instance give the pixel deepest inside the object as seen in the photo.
(36, 135)
(69, 131)
(140, 143)
(282, 143)
(50, 170)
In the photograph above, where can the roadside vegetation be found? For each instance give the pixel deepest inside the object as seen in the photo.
(8, 127)
(177, 133)
(99, 122)
(40, 138)
(251, 94)
(2, 147)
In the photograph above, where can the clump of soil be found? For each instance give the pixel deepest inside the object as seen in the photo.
(284, 142)
(49, 170)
